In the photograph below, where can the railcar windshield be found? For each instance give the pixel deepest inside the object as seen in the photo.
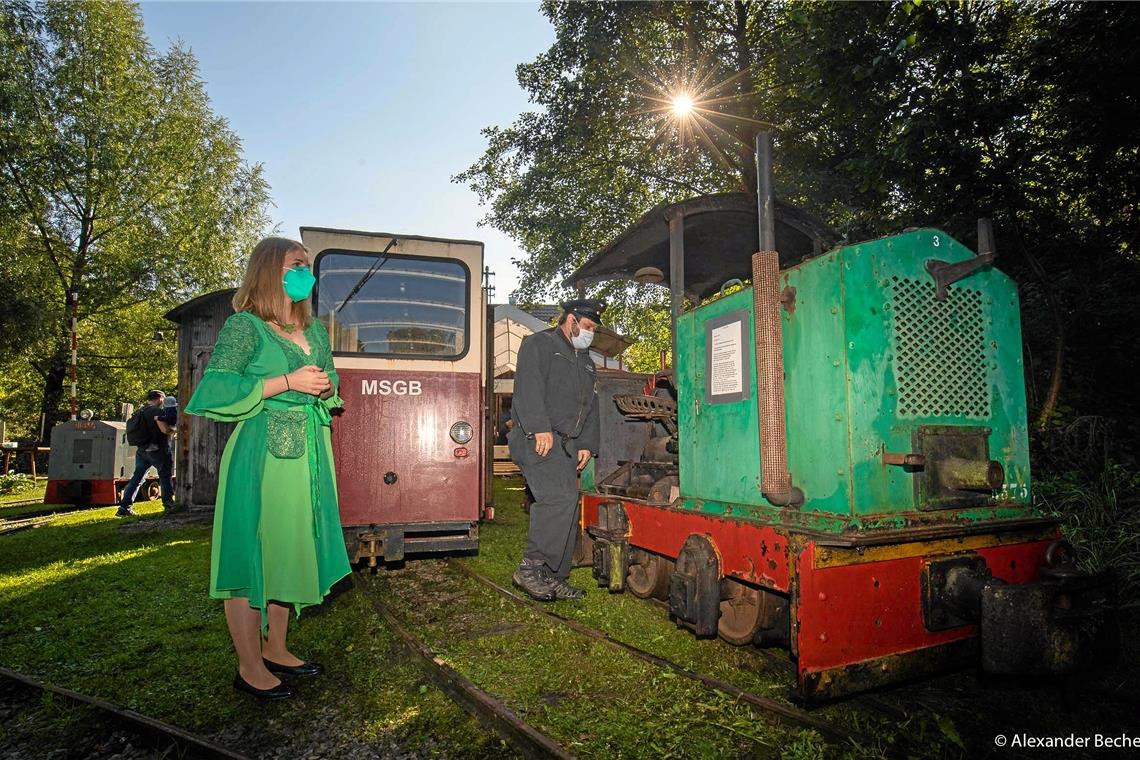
(397, 306)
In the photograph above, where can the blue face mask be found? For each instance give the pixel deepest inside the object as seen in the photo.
(299, 282)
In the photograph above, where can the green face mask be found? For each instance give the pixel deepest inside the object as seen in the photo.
(299, 282)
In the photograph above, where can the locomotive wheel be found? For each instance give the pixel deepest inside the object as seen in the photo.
(741, 613)
(648, 575)
(152, 490)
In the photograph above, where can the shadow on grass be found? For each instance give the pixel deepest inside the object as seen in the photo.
(125, 616)
(77, 537)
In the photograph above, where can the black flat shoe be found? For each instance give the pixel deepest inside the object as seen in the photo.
(304, 669)
(280, 691)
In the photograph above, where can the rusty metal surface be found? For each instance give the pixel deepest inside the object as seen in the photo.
(189, 744)
(775, 480)
(957, 471)
(906, 460)
(694, 587)
(945, 273)
(1064, 623)
(936, 532)
(952, 591)
(392, 542)
(610, 545)
(749, 551)
(971, 474)
(663, 410)
(847, 614)
(829, 683)
(648, 576)
(479, 704)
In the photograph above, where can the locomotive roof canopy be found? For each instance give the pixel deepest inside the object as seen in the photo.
(721, 234)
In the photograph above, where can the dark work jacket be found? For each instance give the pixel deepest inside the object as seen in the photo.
(556, 391)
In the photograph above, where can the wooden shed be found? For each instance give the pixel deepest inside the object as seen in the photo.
(200, 440)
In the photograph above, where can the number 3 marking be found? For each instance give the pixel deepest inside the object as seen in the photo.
(937, 242)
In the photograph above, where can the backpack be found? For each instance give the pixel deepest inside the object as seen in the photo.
(139, 429)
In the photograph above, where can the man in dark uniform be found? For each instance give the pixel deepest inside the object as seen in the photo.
(555, 414)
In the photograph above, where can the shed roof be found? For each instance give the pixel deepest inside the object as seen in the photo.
(721, 234)
(207, 300)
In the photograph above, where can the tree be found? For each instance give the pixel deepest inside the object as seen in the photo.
(119, 184)
(887, 115)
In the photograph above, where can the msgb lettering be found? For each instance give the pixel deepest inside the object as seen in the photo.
(390, 388)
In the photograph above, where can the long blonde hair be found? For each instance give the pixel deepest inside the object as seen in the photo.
(261, 290)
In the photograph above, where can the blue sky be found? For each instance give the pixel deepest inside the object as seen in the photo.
(362, 112)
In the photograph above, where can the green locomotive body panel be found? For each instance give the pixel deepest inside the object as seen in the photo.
(874, 364)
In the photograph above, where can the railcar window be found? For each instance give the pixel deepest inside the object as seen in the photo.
(393, 306)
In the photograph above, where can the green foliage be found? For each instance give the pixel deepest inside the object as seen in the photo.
(119, 184)
(16, 483)
(1101, 516)
(887, 115)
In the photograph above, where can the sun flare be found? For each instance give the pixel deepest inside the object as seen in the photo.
(682, 104)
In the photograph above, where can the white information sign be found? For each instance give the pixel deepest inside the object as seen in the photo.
(726, 373)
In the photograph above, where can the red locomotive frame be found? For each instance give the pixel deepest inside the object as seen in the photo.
(855, 604)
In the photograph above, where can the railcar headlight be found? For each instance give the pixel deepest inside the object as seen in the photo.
(462, 432)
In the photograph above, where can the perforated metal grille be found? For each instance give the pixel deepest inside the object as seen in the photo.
(941, 356)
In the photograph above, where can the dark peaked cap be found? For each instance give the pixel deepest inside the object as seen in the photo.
(585, 307)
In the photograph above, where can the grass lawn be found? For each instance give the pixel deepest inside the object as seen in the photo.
(118, 609)
(36, 492)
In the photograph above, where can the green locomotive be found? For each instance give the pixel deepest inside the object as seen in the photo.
(839, 462)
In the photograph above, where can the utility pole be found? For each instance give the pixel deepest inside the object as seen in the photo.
(74, 296)
(488, 285)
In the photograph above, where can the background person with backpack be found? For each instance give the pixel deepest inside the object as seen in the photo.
(149, 433)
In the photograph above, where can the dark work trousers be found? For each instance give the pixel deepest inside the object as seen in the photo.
(553, 480)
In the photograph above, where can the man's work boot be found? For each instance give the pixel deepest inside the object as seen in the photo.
(563, 590)
(530, 578)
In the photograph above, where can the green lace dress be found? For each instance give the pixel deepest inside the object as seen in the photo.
(277, 533)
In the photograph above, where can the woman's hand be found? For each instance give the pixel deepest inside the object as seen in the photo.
(309, 379)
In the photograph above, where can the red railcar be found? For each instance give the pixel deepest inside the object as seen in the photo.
(405, 315)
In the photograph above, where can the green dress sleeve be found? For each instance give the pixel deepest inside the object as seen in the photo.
(226, 393)
(324, 349)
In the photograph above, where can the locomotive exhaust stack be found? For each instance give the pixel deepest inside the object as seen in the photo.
(775, 479)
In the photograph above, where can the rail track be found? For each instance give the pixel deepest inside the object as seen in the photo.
(169, 740)
(14, 526)
(779, 662)
(49, 509)
(36, 518)
(481, 705)
(23, 503)
(776, 711)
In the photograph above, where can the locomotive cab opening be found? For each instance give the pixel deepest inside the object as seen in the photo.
(638, 451)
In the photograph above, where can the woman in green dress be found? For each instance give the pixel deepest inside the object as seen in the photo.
(277, 536)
